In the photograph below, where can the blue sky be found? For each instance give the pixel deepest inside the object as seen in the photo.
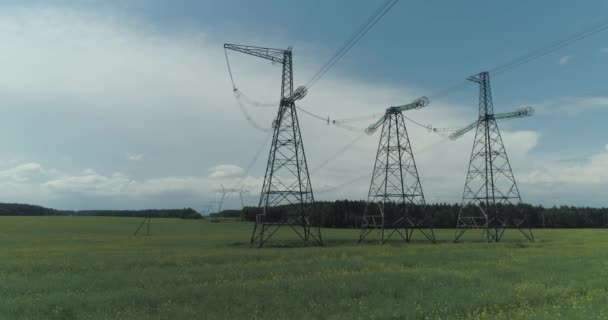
(127, 104)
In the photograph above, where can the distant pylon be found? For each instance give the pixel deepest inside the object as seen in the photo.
(490, 186)
(395, 191)
(224, 192)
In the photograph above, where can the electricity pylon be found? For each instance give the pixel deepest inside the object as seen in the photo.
(230, 191)
(286, 198)
(395, 190)
(490, 186)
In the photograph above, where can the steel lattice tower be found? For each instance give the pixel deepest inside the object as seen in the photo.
(395, 190)
(490, 186)
(286, 198)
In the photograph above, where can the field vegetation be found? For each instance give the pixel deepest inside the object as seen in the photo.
(94, 268)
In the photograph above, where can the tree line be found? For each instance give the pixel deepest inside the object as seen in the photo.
(348, 214)
(18, 209)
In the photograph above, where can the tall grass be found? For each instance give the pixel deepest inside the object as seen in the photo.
(93, 268)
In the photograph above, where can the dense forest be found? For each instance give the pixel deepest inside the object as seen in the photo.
(348, 214)
(17, 209)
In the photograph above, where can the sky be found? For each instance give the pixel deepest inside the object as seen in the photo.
(128, 104)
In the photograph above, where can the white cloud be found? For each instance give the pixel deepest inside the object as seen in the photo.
(590, 172)
(564, 60)
(572, 105)
(135, 156)
(89, 182)
(168, 96)
(24, 172)
(225, 171)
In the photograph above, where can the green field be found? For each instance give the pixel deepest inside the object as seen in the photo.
(93, 268)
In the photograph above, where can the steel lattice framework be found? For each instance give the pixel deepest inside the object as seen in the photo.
(490, 186)
(395, 189)
(287, 197)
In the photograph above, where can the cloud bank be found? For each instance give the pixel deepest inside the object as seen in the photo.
(97, 87)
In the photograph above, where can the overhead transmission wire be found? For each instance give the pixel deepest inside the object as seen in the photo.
(533, 55)
(598, 27)
(253, 162)
(349, 44)
(368, 175)
(344, 184)
(352, 41)
(374, 18)
(530, 56)
(338, 153)
(312, 114)
(380, 12)
(238, 94)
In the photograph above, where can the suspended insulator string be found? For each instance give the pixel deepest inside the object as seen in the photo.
(237, 95)
(229, 69)
(255, 103)
(352, 41)
(313, 115)
(248, 117)
(347, 127)
(428, 127)
(341, 124)
(241, 93)
(360, 118)
(340, 152)
(441, 93)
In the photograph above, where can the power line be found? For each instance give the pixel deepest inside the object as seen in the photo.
(342, 185)
(372, 20)
(229, 69)
(253, 161)
(525, 58)
(601, 26)
(238, 95)
(347, 127)
(353, 40)
(535, 54)
(338, 153)
(313, 115)
(360, 118)
(350, 182)
(256, 104)
(248, 117)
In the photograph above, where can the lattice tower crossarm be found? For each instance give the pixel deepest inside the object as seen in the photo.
(490, 187)
(395, 203)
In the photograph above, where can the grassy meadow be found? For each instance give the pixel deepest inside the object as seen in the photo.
(93, 268)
